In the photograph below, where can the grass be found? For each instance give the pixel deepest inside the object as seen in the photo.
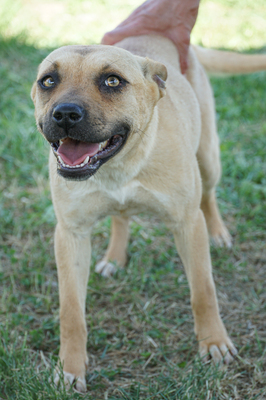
(141, 343)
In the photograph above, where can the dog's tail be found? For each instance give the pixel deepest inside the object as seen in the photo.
(227, 62)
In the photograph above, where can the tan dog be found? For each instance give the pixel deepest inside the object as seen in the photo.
(124, 152)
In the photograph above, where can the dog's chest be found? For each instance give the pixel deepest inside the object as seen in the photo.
(127, 194)
(133, 198)
(128, 200)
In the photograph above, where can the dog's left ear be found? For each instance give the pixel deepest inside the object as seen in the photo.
(154, 71)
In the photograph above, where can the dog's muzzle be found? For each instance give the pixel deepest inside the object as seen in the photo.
(80, 159)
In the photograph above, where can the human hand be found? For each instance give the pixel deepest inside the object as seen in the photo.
(171, 18)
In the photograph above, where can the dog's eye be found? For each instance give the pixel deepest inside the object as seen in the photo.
(112, 81)
(48, 82)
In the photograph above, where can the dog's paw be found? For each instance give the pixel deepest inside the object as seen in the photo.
(105, 268)
(78, 384)
(222, 352)
(220, 237)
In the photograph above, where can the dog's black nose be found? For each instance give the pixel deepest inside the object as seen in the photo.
(66, 115)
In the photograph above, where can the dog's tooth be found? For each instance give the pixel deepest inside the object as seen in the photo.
(102, 145)
(87, 159)
(73, 166)
(61, 161)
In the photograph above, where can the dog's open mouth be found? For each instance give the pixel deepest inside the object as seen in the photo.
(79, 160)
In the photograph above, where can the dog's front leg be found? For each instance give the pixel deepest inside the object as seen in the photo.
(73, 254)
(193, 246)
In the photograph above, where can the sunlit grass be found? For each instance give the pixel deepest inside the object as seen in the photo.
(221, 23)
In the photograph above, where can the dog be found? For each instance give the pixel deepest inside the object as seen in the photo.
(126, 145)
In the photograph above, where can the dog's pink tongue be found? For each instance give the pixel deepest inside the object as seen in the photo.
(74, 152)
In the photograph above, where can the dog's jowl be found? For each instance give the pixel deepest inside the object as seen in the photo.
(126, 144)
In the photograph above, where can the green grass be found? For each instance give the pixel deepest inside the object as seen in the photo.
(141, 343)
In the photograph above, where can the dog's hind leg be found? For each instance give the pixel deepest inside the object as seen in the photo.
(208, 154)
(116, 254)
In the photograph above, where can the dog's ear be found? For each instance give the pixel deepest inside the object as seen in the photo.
(154, 71)
(33, 92)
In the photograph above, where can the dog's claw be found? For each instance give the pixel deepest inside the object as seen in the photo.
(69, 379)
(80, 385)
(223, 353)
(222, 238)
(105, 268)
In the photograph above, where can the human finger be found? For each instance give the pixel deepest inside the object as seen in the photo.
(133, 28)
(180, 36)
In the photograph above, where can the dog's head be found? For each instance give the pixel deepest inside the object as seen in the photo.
(90, 101)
